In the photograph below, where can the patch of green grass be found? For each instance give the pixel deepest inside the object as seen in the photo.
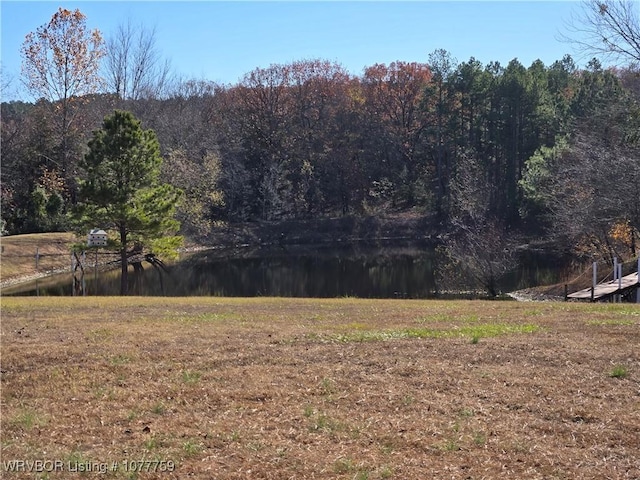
(327, 386)
(450, 446)
(475, 332)
(28, 419)
(100, 335)
(369, 336)
(324, 423)
(191, 447)
(75, 458)
(255, 446)
(388, 444)
(466, 413)
(479, 439)
(619, 371)
(447, 318)
(343, 466)
(186, 317)
(104, 393)
(151, 443)
(613, 322)
(385, 472)
(189, 376)
(408, 400)
(119, 360)
(356, 326)
(497, 329)
(456, 427)
(620, 309)
(362, 475)
(158, 408)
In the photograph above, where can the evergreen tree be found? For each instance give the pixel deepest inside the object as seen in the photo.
(121, 190)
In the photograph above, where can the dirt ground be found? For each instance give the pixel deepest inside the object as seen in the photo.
(265, 388)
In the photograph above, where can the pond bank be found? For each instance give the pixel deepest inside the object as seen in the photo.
(325, 231)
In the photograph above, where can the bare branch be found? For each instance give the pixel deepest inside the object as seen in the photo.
(606, 28)
(134, 67)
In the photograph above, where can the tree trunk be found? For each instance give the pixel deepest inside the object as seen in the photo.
(124, 284)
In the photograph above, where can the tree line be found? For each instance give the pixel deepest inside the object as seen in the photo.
(538, 151)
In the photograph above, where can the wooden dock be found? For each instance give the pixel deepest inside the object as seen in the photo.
(607, 289)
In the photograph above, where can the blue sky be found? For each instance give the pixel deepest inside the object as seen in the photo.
(222, 41)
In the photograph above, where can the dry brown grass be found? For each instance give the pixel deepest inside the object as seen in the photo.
(19, 251)
(355, 389)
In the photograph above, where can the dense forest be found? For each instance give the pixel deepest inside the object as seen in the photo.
(488, 152)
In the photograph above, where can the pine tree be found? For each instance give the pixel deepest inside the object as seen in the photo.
(121, 190)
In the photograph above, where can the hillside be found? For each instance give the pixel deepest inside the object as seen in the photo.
(18, 258)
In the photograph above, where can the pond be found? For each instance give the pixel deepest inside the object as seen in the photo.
(362, 270)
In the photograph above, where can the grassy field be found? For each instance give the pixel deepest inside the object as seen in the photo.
(266, 388)
(19, 252)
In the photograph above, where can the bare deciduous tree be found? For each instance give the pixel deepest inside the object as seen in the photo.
(479, 244)
(596, 188)
(606, 28)
(483, 252)
(134, 67)
(6, 81)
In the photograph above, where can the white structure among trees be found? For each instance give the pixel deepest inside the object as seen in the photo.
(97, 238)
